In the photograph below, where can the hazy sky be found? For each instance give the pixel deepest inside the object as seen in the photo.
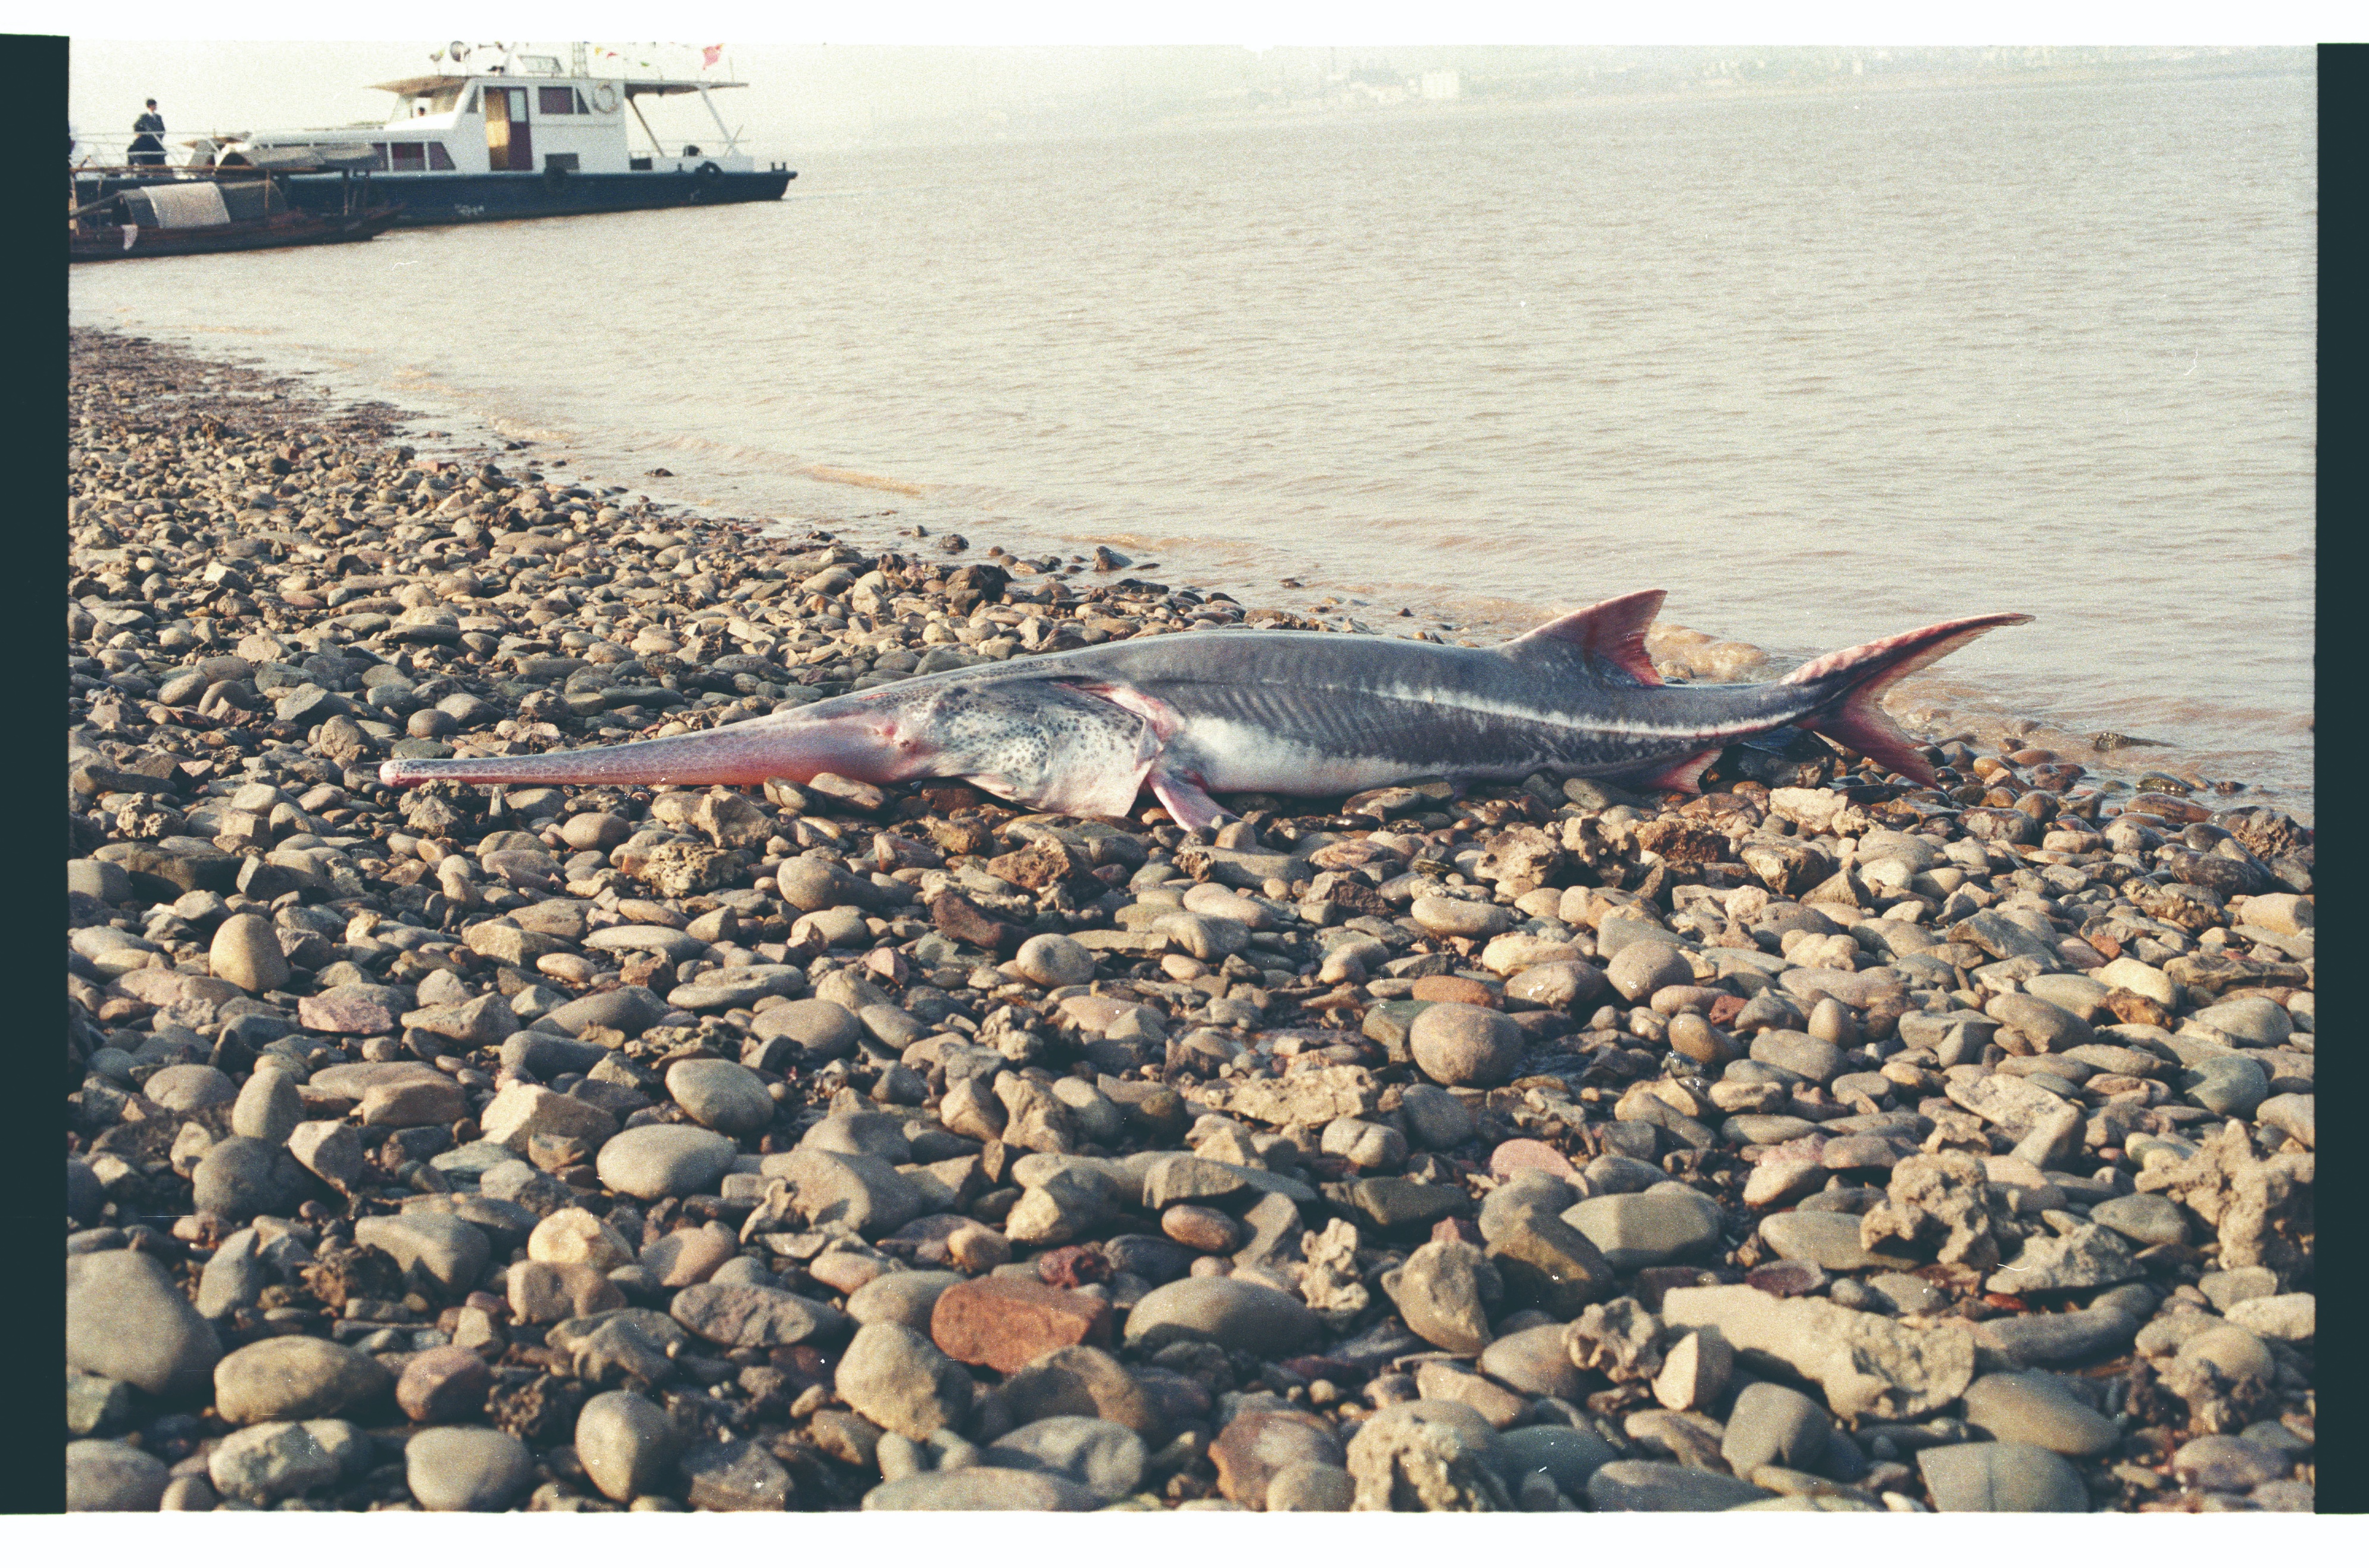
(837, 74)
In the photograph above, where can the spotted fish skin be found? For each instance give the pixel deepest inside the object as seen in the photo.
(1288, 713)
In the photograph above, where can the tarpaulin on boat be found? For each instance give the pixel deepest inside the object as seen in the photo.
(198, 205)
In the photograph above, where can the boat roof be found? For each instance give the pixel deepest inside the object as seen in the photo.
(634, 86)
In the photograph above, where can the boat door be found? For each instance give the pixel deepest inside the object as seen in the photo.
(510, 142)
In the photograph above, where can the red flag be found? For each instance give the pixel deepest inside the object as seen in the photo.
(710, 55)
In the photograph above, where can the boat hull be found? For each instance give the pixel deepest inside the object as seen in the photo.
(431, 201)
(277, 233)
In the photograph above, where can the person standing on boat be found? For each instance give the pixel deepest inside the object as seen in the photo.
(147, 152)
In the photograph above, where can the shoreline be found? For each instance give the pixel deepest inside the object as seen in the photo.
(574, 1149)
(1935, 702)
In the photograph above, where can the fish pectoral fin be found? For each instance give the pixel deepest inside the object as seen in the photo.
(1610, 635)
(1186, 801)
(1684, 775)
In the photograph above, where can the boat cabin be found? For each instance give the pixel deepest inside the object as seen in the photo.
(526, 115)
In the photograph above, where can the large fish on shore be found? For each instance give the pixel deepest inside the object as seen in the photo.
(1288, 713)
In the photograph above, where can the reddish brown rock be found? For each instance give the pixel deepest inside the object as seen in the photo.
(416, 1102)
(1453, 988)
(444, 1385)
(1035, 865)
(1528, 1154)
(1005, 1323)
(959, 919)
(1069, 1267)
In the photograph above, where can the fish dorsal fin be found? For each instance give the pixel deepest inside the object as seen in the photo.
(1612, 633)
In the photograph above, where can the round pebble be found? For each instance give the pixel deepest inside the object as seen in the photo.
(1051, 959)
(1467, 1046)
(627, 1444)
(664, 1161)
(721, 1094)
(893, 1375)
(466, 1470)
(1641, 969)
(113, 1478)
(292, 1376)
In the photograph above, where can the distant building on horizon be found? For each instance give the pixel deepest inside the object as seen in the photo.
(1440, 86)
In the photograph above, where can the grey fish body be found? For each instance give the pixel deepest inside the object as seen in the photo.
(1288, 713)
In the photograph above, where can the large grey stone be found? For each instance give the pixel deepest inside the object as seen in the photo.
(2001, 1478)
(2037, 1408)
(896, 1378)
(1564, 1455)
(721, 1094)
(1542, 1260)
(753, 1317)
(2149, 1219)
(652, 1162)
(1533, 1361)
(1104, 1457)
(2051, 1339)
(629, 1010)
(113, 1478)
(235, 1276)
(906, 1296)
(294, 1378)
(2254, 1021)
(1828, 1239)
(1771, 1424)
(443, 1252)
(239, 1178)
(977, 1488)
(1457, 1043)
(126, 1320)
(1444, 1291)
(627, 1444)
(1235, 1315)
(1652, 1486)
(1645, 1230)
(1256, 1445)
(266, 1463)
(466, 1470)
(735, 1476)
(855, 1190)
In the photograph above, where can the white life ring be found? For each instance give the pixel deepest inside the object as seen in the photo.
(604, 97)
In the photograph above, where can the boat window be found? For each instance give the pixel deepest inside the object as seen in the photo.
(442, 99)
(438, 158)
(554, 100)
(410, 158)
(379, 148)
(580, 106)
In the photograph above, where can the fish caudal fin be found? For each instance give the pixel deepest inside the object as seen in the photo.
(1855, 716)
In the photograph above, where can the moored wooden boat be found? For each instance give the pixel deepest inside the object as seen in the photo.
(115, 242)
(196, 214)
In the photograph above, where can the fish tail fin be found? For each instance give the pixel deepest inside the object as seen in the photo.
(1854, 715)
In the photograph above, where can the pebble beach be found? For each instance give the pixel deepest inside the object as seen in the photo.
(1821, 1142)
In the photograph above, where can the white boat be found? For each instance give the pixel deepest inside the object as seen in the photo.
(522, 137)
